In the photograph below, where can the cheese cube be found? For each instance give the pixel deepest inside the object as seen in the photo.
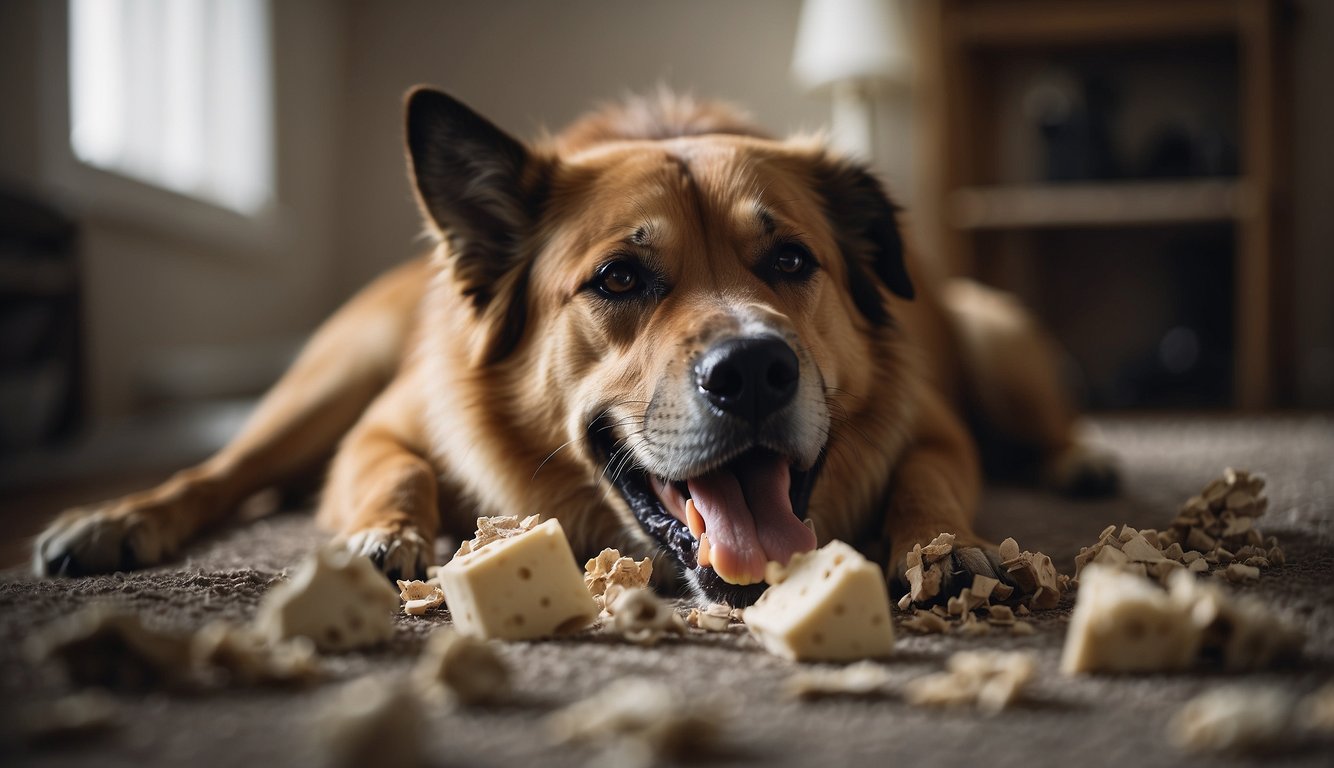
(1125, 623)
(336, 598)
(519, 587)
(826, 605)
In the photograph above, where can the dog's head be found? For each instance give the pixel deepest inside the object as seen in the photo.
(678, 300)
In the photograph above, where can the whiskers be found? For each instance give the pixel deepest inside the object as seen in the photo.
(838, 414)
(623, 451)
(599, 424)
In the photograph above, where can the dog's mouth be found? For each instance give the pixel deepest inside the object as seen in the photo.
(724, 524)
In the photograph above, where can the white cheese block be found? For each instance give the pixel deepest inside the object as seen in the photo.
(1125, 623)
(826, 605)
(521, 587)
(336, 598)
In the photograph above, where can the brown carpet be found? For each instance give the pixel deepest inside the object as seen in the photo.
(1095, 721)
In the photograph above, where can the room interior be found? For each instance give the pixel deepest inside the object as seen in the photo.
(1153, 179)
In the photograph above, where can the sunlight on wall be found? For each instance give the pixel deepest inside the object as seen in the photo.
(175, 93)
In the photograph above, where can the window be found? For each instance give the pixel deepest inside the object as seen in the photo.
(175, 93)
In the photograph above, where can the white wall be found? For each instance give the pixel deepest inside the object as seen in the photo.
(342, 67)
(532, 63)
(152, 285)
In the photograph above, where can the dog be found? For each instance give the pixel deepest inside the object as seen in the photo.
(679, 336)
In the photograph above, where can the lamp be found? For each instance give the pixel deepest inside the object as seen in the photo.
(850, 47)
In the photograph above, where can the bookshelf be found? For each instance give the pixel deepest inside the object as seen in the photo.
(992, 208)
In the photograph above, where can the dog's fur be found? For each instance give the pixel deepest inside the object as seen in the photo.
(503, 374)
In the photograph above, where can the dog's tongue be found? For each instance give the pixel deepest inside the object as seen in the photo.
(748, 517)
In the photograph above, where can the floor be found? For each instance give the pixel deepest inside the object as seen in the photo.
(1114, 721)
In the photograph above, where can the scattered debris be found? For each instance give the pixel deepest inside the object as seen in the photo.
(1251, 719)
(77, 716)
(639, 717)
(971, 626)
(336, 598)
(926, 623)
(372, 721)
(989, 680)
(1237, 631)
(1034, 575)
(1233, 719)
(1220, 521)
(493, 529)
(718, 617)
(1317, 711)
(1238, 573)
(1213, 530)
(925, 574)
(1036, 583)
(468, 670)
(641, 617)
(1125, 623)
(863, 678)
(108, 648)
(520, 582)
(420, 596)
(241, 656)
(827, 605)
(609, 572)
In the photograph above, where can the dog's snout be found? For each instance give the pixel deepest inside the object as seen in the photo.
(749, 378)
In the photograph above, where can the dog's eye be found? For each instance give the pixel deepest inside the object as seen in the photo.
(792, 262)
(618, 278)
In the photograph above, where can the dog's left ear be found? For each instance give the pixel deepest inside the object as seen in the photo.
(476, 185)
(865, 225)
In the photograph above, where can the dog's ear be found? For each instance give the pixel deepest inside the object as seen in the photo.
(477, 187)
(867, 231)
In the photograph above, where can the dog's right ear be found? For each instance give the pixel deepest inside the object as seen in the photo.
(478, 187)
(470, 179)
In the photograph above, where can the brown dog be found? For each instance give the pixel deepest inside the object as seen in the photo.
(676, 335)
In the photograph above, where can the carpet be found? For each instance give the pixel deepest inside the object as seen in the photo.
(1112, 721)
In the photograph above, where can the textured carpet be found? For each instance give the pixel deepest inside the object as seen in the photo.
(1089, 720)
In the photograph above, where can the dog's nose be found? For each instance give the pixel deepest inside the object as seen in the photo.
(749, 377)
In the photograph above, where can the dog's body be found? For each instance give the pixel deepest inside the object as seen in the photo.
(658, 305)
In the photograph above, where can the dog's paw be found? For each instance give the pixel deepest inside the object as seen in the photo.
(958, 569)
(1083, 471)
(116, 536)
(400, 553)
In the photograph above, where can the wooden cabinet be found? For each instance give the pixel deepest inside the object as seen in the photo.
(1111, 155)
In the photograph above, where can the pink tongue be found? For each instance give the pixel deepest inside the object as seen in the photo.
(748, 517)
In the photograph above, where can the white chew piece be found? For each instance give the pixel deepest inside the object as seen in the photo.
(1124, 623)
(372, 721)
(520, 587)
(336, 598)
(826, 605)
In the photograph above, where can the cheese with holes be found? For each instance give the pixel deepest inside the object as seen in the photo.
(1125, 623)
(826, 605)
(518, 587)
(336, 598)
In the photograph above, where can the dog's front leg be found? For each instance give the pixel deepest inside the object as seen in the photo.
(381, 498)
(935, 490)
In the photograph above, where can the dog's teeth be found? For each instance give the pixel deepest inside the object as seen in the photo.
(809, 523)
(702, 557)
(694, 520)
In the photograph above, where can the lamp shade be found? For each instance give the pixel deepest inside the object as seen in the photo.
(842, 40)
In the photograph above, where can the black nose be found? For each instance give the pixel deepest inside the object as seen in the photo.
(749, 378)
